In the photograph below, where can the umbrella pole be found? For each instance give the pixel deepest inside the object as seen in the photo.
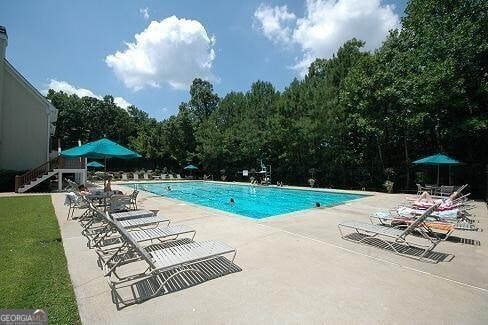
(438, 167)
(450, 181)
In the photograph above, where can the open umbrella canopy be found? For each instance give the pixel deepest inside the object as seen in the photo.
(438, 159)
(190, 167)
(103, 148)
(95, 164)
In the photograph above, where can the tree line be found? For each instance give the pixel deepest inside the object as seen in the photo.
(353, 121)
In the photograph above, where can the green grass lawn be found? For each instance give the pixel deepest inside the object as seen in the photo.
(33, 270)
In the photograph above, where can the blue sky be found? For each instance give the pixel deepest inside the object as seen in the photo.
(81, 46)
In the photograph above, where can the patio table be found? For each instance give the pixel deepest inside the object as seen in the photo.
(97, 195)
(101, 197)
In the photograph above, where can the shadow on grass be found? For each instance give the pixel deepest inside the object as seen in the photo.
(47, 241)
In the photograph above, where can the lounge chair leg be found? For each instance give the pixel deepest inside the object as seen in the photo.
(231, 263)
(116, 298)
(340, 230)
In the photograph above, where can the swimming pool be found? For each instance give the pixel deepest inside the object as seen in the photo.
(256, 202)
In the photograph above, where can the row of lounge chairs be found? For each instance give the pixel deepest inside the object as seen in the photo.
(143, 253)
(147, 176)
(413, 225)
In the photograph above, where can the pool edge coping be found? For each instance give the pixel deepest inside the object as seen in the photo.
(230, 214)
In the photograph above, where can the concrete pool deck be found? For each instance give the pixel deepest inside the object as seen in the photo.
(297, 269)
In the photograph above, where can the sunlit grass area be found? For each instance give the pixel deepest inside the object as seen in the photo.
(34, 273)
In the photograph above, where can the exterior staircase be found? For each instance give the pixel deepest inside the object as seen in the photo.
(37, 175)
(37, 181)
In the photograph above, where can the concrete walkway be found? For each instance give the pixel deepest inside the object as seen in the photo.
(297, 269)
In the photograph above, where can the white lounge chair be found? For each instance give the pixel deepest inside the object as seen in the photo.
(112, 250)
(75, 202)
(141, 235)
(131, 220)
(136, 176)
(124, 177)
(176, 259)
(137, 219)
(72, 186)
(367, 232)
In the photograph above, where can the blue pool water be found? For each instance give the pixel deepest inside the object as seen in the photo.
(256, 202)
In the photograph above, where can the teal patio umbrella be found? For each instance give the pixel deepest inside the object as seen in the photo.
(95, 164)
(438, 159)
(191, 168)
(103, 148)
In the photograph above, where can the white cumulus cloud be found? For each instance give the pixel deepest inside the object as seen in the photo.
(172, 51)
(274, 22)
(121, 102)
(144, 12)
(69, 89)
(327, 24)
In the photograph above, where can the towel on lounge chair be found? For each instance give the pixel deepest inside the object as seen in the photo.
(390, 218)
(446, 214)
(449, 227)
(438, 225)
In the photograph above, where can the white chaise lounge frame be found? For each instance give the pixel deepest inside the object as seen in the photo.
(179, 258)
(375, 232)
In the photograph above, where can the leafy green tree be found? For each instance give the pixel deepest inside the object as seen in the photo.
(203, 100)
(355, 119)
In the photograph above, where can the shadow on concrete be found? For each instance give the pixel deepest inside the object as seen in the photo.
(401, 249)
(181, 278)
(453, 239)
(461, 240)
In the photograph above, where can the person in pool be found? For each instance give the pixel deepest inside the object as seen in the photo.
(231, 201)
